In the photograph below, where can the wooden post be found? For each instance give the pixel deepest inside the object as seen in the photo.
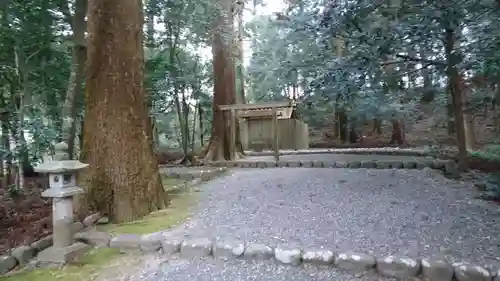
(274, 126)
(232, 141)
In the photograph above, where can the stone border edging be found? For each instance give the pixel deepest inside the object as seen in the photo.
(193, 175)
(367, 151)
(23, 255)
(447, 166)
(289, 254)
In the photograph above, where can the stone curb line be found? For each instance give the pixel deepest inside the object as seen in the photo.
(193, 175)
(447, 166)
(389, 266)
(367, 151)
(24, 255)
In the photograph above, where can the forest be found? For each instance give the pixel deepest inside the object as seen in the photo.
(403, 73)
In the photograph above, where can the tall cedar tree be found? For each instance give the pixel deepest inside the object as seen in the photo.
(224, 82)
(123, 179)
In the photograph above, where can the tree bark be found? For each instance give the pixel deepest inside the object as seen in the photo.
(122, 181)
(200, 125)
(377, 126)
(193, 133)
(470, 132)
(5, 144)
(343, 126)
(224, 83)
(76, 77)
(397, 135)
(455, 88)
(240, 97)
(22, 100)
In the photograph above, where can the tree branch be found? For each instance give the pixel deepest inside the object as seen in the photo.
(421, 60)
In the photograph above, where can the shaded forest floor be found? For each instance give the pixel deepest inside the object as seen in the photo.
(24, 218)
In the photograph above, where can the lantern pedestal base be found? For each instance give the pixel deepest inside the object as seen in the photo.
(63, 255)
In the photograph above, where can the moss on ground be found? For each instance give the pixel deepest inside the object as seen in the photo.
(84, 269)
(88, 266)
(182, 198)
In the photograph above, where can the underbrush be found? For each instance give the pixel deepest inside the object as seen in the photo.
(489, 153)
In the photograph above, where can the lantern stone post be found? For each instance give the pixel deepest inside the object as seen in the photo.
(62, 188)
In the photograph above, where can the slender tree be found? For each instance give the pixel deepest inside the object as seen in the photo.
(74, 91)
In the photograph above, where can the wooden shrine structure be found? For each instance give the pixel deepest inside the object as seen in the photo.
(271, 125)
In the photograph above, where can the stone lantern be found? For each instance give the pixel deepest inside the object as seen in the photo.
(62, 188)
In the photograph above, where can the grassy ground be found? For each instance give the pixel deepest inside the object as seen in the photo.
(88, 266)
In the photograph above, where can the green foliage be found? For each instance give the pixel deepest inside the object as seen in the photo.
(38, 34)
(391, 53)
(490, 152)
(34, 64)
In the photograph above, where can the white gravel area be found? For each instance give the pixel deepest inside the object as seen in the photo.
(417, 213)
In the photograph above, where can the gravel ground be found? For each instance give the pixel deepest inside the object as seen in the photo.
(338, 157)
(173, 269)
(412, 212)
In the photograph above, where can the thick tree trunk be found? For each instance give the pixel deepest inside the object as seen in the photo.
(74, 90)
(122, 181)
(224, 83)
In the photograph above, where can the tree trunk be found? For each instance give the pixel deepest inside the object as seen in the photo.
(470, 132)
(20, 101)
(451, 116)
(5, 144)
(428, 93)
(76, 77)
(336, 128)
(193, 132)
(377, 126)
(398, 135)
(200, 126)
(240, 96)
(343, 126)
(353, 135)
(185, 125)
(455, 89)
(122, 181)
(224, 84)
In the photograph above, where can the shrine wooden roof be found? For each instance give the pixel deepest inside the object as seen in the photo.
(262, 110)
